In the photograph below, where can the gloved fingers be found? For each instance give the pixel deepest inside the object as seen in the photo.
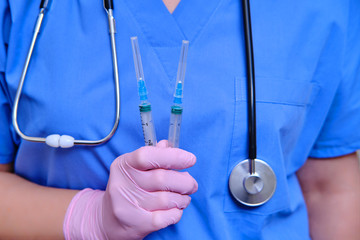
(147, 158)
(165, 180)
(163, 218)
(163, 201)
(162, 144)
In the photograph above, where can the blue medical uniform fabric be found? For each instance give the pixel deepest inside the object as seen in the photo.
(307, 90)
(7, 145)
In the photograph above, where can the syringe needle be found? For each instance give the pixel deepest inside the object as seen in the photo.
(145, 106)
(176, 108)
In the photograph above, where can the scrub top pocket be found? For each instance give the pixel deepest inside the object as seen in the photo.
(281, 110)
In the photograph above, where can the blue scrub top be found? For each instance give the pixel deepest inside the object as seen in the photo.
(307, 88)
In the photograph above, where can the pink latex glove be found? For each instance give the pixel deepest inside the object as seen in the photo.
(143, 195)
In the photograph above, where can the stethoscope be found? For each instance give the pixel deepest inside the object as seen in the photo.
(252, 182)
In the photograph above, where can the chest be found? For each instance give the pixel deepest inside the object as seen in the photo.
(70, 75)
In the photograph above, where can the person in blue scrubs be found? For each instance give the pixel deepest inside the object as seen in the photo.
(307, 57)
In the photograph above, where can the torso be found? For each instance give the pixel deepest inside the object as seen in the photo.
(69, 90)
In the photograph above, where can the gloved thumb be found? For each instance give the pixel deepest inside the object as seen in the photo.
(162, 144)
(163, 218)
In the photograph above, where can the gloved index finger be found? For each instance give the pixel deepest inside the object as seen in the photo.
(147, 158)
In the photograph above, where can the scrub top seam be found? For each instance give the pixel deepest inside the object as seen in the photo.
(346, 37)
(6, 90)
(281, 103)
(140, 25)
(143, 35)
(332, 153)
(168, 76)
(178, 25)
(323, 145)
(202, 29)
(236, 90)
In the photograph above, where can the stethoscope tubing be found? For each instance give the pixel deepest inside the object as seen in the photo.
(23, 75)
(250, 67)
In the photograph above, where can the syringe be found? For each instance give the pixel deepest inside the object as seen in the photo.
(177, 108)
(145, 106)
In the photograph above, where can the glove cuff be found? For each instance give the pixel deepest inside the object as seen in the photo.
(83, 219)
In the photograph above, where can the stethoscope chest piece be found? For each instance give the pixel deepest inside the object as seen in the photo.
(252, 189)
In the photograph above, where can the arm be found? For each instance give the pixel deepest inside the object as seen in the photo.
(331, 188)
(30, 211)
(6, 167)
(144, 194)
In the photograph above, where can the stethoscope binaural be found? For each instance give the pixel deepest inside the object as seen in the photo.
(252, 181)
(65, 141)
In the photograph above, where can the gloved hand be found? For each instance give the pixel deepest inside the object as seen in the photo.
(143, 195)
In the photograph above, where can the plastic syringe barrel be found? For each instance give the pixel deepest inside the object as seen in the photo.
(147, 125)
(175, 126)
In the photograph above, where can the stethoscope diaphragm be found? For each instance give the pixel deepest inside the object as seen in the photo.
(252, 189)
